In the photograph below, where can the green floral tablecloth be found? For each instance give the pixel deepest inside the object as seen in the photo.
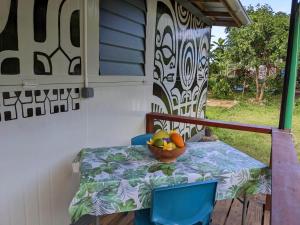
(119, 179)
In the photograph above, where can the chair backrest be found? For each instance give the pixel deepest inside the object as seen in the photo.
(183, 204)
(141, 139)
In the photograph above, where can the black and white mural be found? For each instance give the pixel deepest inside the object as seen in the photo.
(37, 38)
(180, 66)
(9, 45)
(42, 34)
(30, 103)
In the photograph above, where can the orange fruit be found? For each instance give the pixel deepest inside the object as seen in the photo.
(177, 140)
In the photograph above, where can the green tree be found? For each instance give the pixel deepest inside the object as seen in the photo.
(219, 83)
(219, 58)
(263, 42)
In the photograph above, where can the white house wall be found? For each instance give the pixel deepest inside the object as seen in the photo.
(37, 183)
(44, 121)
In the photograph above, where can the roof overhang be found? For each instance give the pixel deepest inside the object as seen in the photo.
(228, 13)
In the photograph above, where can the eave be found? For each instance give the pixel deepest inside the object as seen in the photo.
(229, 13)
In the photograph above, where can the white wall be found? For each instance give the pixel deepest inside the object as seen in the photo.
(36, 153)
(36, 180)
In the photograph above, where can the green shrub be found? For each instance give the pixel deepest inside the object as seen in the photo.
(220, 87)
(274, 85)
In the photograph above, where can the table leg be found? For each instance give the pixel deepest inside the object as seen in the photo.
(268, 202)
(97, 220)
(244, 215)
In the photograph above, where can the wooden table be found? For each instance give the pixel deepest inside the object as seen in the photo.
(120, 179)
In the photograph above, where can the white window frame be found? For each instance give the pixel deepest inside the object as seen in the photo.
(93, 53)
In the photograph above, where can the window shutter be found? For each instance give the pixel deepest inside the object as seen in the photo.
(122, 37)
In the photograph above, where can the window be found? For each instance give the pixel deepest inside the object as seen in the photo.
(122, 37)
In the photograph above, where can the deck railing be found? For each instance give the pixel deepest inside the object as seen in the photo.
(285, 180)
(150, 117)
(285, 198)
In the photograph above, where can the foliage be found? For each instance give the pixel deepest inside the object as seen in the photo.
(218, 57)
(219, 84)
(263, 42)
(297, 104)
(220, 87)
(274, 85)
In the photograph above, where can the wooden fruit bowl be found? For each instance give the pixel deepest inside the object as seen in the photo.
(164, 155)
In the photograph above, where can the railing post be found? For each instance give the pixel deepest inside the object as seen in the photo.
(149, 123)
(291, 70)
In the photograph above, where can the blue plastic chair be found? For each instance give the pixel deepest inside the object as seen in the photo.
(185, 204)
(141, 139)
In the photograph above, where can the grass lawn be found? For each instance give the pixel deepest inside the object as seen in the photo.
(255, 145)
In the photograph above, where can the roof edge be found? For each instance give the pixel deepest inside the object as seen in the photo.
(239, 11)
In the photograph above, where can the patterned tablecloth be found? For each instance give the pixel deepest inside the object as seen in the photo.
(119, 179)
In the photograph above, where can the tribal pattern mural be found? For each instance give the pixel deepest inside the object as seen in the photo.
(39, 37)
(42, 34)
(26, 104)
(180, 66)
(9, 46)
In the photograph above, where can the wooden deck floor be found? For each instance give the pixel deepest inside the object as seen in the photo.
(227, 212)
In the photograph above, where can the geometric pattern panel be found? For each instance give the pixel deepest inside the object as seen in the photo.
(44, 34)
(180, 66)
(30, 103)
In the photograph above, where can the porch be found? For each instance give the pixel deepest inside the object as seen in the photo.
(226, 212)
(283, 203)
(85, 93)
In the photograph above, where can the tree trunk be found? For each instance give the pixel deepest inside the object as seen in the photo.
(257, 85)
(263, 85)
(262, 90)
(244, 85)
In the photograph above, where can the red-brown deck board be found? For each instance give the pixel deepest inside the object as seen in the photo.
(226, 212)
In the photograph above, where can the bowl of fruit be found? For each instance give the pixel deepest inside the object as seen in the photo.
(166, 146)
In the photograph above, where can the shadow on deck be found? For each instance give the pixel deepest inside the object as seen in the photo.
(226, 212)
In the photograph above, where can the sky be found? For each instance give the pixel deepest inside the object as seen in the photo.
(277, 5)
